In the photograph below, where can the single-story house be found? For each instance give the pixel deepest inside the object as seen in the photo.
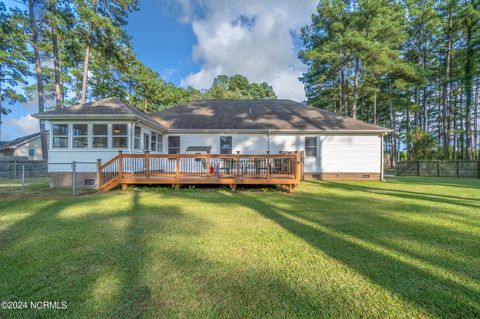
(334, 146)
(25, 146)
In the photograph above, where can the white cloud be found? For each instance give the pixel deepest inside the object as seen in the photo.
(16, 127)
(250, 37)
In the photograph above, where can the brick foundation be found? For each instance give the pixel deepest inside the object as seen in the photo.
(64, 179)
(343, 176)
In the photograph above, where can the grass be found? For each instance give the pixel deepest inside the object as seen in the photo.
(407, 248)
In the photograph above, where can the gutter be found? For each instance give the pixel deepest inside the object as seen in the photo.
(265, 131)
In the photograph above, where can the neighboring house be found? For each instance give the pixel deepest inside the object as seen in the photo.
(335, 146)
(25, 146)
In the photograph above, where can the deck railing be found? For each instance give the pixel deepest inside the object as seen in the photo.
(176, 167)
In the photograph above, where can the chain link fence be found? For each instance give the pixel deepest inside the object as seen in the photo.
(25, 176)
(26, 168)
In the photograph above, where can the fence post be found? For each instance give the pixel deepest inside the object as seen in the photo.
(23, 178)
(99, 174)
(74, 178)
(15, 169)
(458, 168)
(438, 168)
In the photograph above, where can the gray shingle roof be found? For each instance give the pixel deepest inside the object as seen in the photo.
(112, 106)
(257, 115)
(224, 115)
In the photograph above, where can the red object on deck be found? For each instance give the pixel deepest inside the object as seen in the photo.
(212, 170)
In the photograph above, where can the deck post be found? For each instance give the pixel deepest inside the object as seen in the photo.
(147, 164)
(99, 174)
(177, 167)
(124, 187)
(238, 163)
(120, 165)
(207, 164)
(268, 164)
(298, 167)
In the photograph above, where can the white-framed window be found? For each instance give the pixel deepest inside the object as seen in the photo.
(226, 145)
(311, 146)
(79, 135)
(159, 143)
(153, 142)
(146, 142)
(31, 153)
(137, 142)
(100, 136)
(119, 136)
(156, 142)
(173, 144)
(59, 135)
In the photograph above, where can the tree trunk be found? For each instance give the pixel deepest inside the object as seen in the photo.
(87, 59)
(56, 58)
(408, 135)
(343, 101)
(38, 71)
(468, 93)
(1, 101)
(475, 121)
(455, 133)
(425, 110)
(445, 113)
(394, 127)
(461, 138)
(347, 84)
(375, 107)
(355, 88)
(416, 115)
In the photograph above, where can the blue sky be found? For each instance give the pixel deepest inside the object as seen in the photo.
(189, 42)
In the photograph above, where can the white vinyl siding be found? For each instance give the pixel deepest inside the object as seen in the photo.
(336, 153)
(350, 153)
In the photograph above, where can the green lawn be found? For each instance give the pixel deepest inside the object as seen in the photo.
(406, 248)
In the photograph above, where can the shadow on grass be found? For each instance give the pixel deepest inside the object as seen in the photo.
(108, 263)
(140, 260)
(362, 236)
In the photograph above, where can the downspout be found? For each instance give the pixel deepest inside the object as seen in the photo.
(268, 142)
(381, 158)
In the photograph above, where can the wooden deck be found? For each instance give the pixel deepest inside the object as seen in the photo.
(192, 169)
